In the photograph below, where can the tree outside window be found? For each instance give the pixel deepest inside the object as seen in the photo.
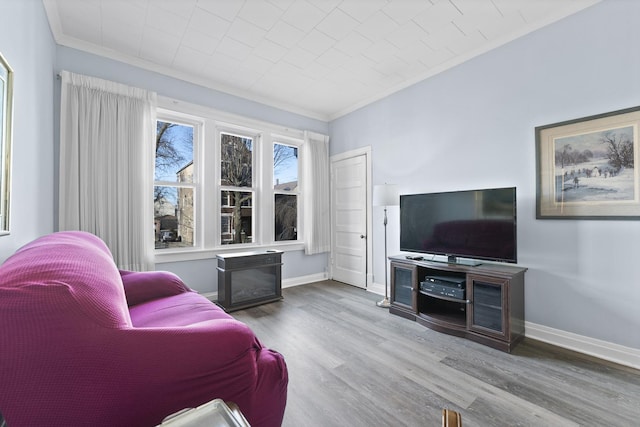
(174, 193)
(285, 187)
(236, 179)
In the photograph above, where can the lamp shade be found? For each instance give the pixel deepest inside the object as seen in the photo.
(385, 195)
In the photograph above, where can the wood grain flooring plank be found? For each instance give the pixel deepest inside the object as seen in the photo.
(568, 387)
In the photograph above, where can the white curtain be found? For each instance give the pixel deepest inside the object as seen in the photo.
(317, 210)
(107, 135)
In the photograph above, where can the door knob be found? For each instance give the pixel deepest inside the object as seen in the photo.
(362, 236)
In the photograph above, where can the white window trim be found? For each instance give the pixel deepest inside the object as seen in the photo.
(206, 152)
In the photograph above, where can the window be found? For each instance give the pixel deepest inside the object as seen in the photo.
(174, 189)
(236, 187)
(226, 234)
(223, 181)
(285, 188)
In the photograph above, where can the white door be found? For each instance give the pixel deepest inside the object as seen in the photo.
(349, 219)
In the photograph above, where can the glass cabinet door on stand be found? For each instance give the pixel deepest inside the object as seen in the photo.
(488, 313)
(403, 280)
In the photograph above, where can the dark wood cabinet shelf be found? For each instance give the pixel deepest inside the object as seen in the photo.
(491, 310)
(441, 317)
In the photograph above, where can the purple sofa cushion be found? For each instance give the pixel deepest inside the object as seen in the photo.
(79, 262)
(177, 310)
(145, 286)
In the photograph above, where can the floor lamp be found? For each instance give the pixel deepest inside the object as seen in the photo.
(385, 195)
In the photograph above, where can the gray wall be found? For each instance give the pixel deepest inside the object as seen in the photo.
(473, 127)
(26, 42)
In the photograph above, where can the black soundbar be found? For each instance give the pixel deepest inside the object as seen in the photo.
(449, 286)
(448, 291)
(452, 281)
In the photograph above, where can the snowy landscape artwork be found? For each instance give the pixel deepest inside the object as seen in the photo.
(595, 167)
(586, 168)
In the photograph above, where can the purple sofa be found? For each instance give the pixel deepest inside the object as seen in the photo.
(82, 343)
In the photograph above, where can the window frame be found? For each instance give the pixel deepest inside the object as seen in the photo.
(197, 124)
(283, 140)
(207, 179)
(255, 136)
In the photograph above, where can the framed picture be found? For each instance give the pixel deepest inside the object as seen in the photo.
(586, 167)
(6, 109)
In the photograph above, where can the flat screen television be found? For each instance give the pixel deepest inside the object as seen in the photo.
(475, 224)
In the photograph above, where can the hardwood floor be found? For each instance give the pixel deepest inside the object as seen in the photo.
(354, 364)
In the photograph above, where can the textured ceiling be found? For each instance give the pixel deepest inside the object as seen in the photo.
(320, 58)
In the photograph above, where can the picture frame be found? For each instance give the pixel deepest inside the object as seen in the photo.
(585, 168)
(6, 122)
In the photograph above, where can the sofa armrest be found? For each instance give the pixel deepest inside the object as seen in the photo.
(146, 286)
(183, 367)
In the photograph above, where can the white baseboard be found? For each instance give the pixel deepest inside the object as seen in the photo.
(601, 349)
(376, 288)
(303, 280)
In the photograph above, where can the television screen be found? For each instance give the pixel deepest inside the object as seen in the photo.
(478, 224)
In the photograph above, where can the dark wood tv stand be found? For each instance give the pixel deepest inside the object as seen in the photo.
(491, 311)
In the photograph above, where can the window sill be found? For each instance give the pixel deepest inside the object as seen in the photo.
(166, 256)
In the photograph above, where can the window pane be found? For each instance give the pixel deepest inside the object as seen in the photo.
(236, 161)
(286, 217)
(285, 167)
(174, 152)
(225, 226)
(173, 217)
(237, 217)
